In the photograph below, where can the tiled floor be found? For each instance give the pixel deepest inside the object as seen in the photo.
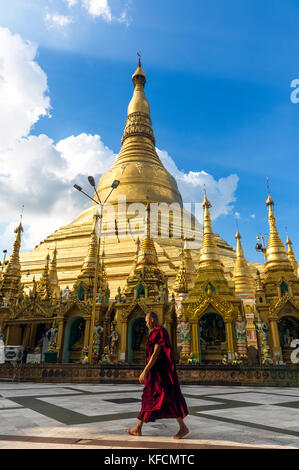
(95, 416)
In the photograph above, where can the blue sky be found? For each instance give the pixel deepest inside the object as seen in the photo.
(218, 83)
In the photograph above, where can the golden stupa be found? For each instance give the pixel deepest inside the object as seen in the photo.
(143, 179)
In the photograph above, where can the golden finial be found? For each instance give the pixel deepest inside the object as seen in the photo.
(139, 59)
(291, 254)
(206, 202)
(269, 201)
(238, 235)
(288, 240)
(139, 75)
(53, 278)
(259, 284)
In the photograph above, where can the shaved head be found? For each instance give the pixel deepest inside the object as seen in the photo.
(151, 320)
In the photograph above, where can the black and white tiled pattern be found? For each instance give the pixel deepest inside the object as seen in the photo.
(260, 416)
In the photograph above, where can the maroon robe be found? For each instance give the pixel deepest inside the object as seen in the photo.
(162, 396)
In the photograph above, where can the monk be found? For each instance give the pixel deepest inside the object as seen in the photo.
(162, 396)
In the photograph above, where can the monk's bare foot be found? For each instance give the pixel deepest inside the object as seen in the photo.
(181, 433)
(133, 431)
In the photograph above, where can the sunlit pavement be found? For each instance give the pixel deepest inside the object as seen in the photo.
(68, 416)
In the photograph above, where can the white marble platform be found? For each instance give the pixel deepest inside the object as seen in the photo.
(239, 416)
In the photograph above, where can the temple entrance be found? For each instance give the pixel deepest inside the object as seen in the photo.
(137, 336)
(288, 328)
(40, 332)
(211, 333)
(73, 340)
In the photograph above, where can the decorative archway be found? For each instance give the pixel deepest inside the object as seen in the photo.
(137, 335)
(288, 328)
(212, 338)
(73, 339)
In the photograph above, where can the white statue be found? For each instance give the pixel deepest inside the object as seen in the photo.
(97, 331)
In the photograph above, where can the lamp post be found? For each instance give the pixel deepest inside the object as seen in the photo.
(260, 247)
(95, 285)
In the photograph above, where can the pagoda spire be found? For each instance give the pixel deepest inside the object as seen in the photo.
(138, 165)
(209, 256)
(181, 280)
(138, 121)
(11, 280)
(43, 285)
(210, 274)
(103, 272)
(146, 278)
(147, 255)
(136, 257)
(276, 255)
(259, 284)
(53, 278)
(291, 256)
(89, 264)
(244, 282)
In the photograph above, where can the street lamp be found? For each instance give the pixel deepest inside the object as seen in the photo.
(95, 285)
(260, 245)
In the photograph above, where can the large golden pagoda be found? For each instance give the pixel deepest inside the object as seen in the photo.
(143, 179)
(215, 305)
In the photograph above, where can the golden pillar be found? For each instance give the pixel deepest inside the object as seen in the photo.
(195, 339)
(86, 333)
(275, 337)
(32, 334)
(7, 334)
(229, 339)
(60, 325)
(26, 336)
(123, 347)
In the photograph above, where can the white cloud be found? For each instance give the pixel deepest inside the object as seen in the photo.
(252, 216)
(101, 9)
(55, 20)
(23, 88)
(39, 173)
(84, 154)
(237, 215)
(71, 3)
(220, 193)
(33, 170)
(98, 8)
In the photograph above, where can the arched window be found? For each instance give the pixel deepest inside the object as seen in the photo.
(140, 291)
(209, 285)
(284, 288)
(80, 293)
(261, 299)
